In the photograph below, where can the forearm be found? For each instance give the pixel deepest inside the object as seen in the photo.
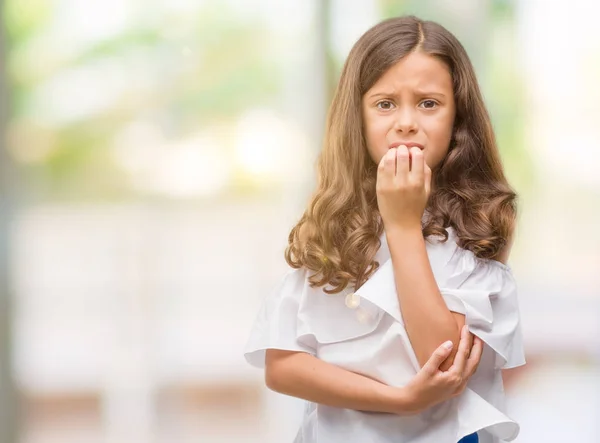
(301, 375)
(428, 321)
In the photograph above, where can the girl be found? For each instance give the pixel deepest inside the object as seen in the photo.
(403, 246)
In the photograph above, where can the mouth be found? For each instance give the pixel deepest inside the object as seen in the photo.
(407, 144)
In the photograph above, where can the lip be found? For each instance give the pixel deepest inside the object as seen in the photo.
(407, 144)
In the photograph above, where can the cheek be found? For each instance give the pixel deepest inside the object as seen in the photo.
(435, 156)
(375, 135)
(439, 136)
(441, 127)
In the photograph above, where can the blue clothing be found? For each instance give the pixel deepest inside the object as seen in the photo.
(470, 439)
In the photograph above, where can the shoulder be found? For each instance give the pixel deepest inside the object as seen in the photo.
(453, 266)
(291, 283)
(449, 249)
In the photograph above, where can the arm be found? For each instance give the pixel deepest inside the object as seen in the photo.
(427, 319)
(402, 194)
(301, 375)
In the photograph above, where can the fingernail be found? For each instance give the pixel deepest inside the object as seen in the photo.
(448, 345)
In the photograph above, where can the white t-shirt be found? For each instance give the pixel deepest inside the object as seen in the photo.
(363, 332)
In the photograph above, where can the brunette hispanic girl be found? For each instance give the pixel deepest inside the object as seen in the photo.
(403, 247)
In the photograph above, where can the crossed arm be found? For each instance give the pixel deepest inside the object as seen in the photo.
(304, 376)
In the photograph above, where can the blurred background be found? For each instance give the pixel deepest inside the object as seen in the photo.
(154, 156)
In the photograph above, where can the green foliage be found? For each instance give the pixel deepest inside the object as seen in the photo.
(207, 67)
(392, 8)
(23, 18)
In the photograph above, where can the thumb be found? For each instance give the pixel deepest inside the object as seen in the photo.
(437, 358)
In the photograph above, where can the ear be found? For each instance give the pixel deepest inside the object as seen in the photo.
(505, 251)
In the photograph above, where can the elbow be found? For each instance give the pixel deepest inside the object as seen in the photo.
(451, 333)
(272, 377)
(446, 364)
(275, 365)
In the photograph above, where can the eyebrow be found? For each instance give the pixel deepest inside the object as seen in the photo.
(422, 93)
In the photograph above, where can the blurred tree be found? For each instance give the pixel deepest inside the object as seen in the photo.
(181, 73)
(9, 398)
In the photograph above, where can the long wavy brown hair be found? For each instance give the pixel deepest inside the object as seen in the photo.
(338, 235)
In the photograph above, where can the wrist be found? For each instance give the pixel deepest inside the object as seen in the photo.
(404, 233)
(401, 401)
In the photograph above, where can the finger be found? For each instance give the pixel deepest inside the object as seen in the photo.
(432, 365)
(387, 165)
(427, 178)
(472, 364)
(417, 171)
(402, 164)
(475, 357)
(470, 338)
(463, 350)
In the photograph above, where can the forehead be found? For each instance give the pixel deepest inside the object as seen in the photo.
(418, 71)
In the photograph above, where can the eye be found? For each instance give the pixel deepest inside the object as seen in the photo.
(428, 104)
(385, 105)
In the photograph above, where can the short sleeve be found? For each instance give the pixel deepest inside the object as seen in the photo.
(485, 291)
(276, 324)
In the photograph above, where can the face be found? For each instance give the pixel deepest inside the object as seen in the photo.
(411, 103)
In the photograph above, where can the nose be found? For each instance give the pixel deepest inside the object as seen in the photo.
(406, 122)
